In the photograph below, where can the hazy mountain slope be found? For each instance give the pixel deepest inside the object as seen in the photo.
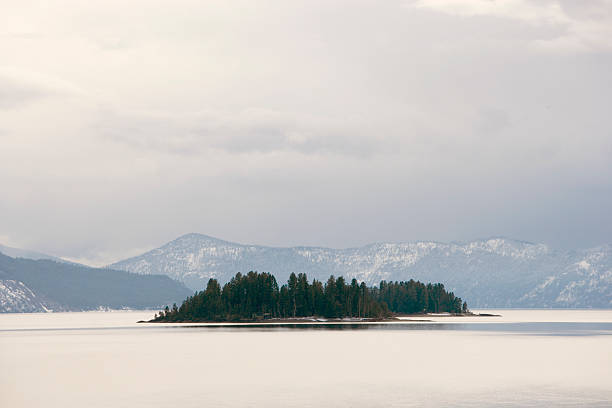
(496, 272)
(24, 253)
(38, 285)
(585, 280)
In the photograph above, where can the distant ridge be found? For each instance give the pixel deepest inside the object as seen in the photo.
(41, 285)
(493, 272)
(27, 254)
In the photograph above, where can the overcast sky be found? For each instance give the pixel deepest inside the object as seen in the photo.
(333, 123)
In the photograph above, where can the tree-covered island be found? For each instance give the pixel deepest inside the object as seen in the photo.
(257, 296)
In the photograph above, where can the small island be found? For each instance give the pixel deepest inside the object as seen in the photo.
(256, 297)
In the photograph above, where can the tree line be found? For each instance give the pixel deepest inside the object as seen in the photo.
(255, 296)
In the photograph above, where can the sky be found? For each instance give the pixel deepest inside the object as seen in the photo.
(124, 125)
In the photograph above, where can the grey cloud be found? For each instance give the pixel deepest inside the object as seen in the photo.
(146, 131)
(15, 94)
(583, 26)
(327, 123)
(251, 131)
(111, 43)
(21, 35)
(493, 121)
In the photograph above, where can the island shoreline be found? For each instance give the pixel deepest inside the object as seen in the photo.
(315, 319)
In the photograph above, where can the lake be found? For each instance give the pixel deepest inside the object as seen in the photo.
(526, 358)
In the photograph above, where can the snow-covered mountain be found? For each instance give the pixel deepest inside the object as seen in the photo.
(496, 272)
(15, 296)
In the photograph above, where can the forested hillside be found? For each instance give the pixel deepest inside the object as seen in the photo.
(28, 285)
(257, 296)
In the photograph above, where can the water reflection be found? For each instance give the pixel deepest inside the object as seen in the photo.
(518, 328)
(532, 328)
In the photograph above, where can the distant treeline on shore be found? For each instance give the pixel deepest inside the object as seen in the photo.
(257, 296)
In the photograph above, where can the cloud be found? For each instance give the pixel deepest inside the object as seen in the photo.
(492, 121)
(14, 94)
(329, 123)
(18, 88)
(586, 27)
(242, 132)
(536, 12)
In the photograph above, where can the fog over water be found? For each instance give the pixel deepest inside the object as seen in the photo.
(101, 359)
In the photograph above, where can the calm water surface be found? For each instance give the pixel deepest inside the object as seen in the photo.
(532, 358)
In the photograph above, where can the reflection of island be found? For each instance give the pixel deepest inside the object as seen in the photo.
(256, 297)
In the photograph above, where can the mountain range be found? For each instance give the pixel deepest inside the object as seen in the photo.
(490, 273)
